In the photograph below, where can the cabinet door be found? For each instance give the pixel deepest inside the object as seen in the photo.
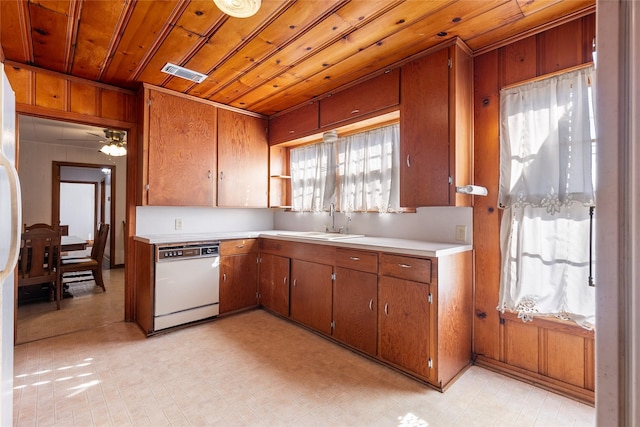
(365, 98)
(238, 282)
(403, 324)
(274, 283)
(311, 294)
(297, 123)
(355, 307)
(181, 151)
(243, 160)
(424, 132)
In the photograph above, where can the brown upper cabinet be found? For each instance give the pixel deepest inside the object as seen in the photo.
(435, 128)
(178, 150)
(362, 100)
(297, 123)
(243, 160)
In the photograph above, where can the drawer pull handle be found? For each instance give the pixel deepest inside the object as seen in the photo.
(408, 160)
(371, 304)
(224, 277)
(386, 309)
(285, 280)
(354, 258)
(356, 111)
(294, 282)
(239, 246)
(404, 265)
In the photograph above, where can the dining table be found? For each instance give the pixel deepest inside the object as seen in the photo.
(72, 243)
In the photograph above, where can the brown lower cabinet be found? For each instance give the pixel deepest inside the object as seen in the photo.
(311, 294)
(413, 313)
(274, 283)
(238, 275)
(355, 308)
(403, 325)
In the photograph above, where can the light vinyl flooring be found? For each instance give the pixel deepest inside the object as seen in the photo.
(253, 369)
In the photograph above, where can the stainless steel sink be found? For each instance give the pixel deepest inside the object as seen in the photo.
(319, 235)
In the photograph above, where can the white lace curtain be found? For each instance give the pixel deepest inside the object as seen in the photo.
(546, 186)
(359, 172)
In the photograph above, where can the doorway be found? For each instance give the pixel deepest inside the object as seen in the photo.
(82, 197)
(48, 149)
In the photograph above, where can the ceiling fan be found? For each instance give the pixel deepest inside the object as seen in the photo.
(116, 144)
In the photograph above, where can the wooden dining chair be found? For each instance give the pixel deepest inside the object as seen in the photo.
(39, 260)
(92, 264)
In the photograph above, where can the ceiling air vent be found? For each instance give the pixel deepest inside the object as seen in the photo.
(185, 73)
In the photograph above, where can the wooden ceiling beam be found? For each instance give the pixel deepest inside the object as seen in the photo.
(73, 22)
(118, 31)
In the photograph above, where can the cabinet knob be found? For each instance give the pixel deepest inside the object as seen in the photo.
(408, 160)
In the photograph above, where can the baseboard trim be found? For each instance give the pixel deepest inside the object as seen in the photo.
(568, 390)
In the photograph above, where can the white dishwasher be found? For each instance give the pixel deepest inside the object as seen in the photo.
(187, 284)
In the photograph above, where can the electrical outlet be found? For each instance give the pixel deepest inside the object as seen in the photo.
(461, 233)
(178, 224)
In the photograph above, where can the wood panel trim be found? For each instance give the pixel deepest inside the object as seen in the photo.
(25, 24)
(73, 23)
(548, 75)
(577, 393)
(201, 100)
(47, 113)
(67, 77)
(118, 32)
(553, 324)
(551, 24)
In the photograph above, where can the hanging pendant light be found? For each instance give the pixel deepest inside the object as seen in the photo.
(238, 8)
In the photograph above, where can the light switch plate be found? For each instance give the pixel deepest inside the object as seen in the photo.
(461, 233)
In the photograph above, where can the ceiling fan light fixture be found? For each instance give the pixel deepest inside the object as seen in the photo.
(238, 8)
(114, 150)
(116, 147)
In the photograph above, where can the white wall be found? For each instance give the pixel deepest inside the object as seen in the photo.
(428, 224)
(35, 170)
(151, 220)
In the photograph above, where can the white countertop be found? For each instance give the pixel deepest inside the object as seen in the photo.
(385, 244)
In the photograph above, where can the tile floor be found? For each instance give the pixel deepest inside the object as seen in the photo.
(88, 309)
(253, 369)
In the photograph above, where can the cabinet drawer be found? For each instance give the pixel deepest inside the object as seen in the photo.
(236, 247)
(357, 260)
(403, 267)
(281, 247)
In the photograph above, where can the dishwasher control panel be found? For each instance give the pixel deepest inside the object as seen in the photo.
(167, 253)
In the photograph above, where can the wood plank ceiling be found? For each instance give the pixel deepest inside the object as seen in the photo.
(289, 52)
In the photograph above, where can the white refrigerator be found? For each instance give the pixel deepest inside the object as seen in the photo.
(10, 228)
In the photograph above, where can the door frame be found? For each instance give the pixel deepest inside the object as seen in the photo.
(55, 198)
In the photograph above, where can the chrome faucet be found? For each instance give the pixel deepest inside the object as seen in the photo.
(332, 214)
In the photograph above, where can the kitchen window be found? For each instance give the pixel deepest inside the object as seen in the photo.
(547, 164)
(356, 173)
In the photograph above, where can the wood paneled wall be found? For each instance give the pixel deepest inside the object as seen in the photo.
(552, 354)
(49, 94)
